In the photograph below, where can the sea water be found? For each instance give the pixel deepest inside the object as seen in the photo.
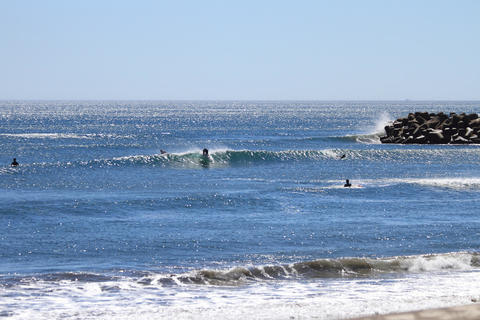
(97, 223)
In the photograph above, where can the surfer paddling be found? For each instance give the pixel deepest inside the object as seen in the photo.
(14, 163)
(347, 184)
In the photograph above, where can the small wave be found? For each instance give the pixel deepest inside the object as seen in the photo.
(371, 138)
(8, 170)
(57, 135)
(450, 183)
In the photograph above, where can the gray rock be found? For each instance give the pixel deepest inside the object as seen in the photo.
(434, 128)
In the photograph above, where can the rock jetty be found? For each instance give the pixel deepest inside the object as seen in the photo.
(434, 128)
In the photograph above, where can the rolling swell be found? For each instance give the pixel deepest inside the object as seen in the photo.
(216, 158)
(371, 138)
(225, 158)
(184, 160)
(251, 157)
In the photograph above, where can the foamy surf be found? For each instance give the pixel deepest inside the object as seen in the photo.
(449, 183)
(430, 280)
(434, 182)
(327, 299)
(372, 135)
(58, 135)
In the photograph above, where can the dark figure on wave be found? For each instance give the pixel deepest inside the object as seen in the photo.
(205, 159)
(343, 156)
(347, 184)
(14, 162)
(163, 151)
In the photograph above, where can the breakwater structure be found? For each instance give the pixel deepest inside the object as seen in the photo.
(434, 128)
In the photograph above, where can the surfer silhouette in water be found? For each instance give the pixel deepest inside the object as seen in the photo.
(343, 156)
(163, 151)
(205, 159)
(14, 162)
(347, 184)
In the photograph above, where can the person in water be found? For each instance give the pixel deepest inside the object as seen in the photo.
(347, 184)
(163, 151)
(205, 152)
(14, 162)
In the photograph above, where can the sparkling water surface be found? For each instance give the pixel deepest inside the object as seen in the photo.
(96, 222)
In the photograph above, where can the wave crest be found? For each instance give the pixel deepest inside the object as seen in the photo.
(219, 158)
(326, 268)
(355, 267)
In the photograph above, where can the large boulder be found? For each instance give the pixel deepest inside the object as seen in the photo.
(436, 137)
(434, 128)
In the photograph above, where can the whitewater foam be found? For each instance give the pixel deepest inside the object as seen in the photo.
(384, 120)
(450, 183)
(371, 135)
(325, 298)
(58, 135)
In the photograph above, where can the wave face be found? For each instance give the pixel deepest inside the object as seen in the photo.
(196, 159)
(233, 158)
(230, 157)
(328, 268)
(255, 157)
(372, 138)
(344, 268)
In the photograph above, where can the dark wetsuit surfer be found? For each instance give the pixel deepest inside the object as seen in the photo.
(347, 184)
(14, 162)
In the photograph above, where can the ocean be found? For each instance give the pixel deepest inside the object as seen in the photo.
(97, 223)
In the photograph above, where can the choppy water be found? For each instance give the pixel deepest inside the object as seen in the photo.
(97, 223)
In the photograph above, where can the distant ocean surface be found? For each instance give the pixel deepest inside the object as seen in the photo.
(97, 223)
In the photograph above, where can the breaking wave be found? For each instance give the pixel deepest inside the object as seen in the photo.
(325, 268)
(225, 158)
(57, 135)
(374, 134)
(321, 268)
(333, 268)
(249, 157)
(370, 138)
(220, 158)
(450, 183)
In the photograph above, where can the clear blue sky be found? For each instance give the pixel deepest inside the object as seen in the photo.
(320, 50)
